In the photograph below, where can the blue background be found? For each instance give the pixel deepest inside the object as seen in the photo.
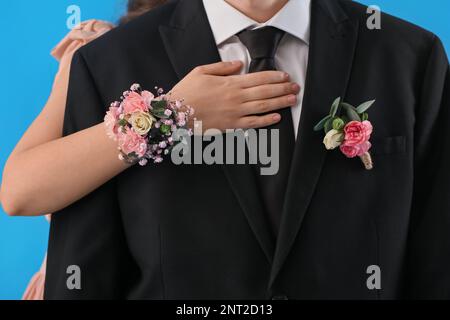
(29, 30)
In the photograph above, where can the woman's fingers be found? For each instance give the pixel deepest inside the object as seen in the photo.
(261, 78)
(268, 91)
(74, 46)
(268, 105)
(254, 122)
(66, 58)
(220, 68)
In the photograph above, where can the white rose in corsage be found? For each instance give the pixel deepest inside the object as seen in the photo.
(350, 131)
(141, 122)
(146, 127)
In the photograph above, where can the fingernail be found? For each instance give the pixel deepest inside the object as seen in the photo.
(285, 75)
(295, 87)
(276, 117)
(292, 99)
(235, 62)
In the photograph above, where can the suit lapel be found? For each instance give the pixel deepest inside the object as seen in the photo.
(332, 45)
(188, 38)
(189, 42)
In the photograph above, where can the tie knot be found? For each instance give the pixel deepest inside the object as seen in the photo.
(262, 43)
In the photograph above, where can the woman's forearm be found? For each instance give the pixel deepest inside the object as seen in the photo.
(53, 175)
(45, 172)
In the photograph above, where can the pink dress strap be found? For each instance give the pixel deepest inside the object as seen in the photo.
(35, 289)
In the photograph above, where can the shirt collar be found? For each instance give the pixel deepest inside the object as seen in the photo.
(226, 21)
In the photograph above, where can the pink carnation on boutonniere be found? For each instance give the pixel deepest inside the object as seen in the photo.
(350, 131)
(355, 151)
(357, 132)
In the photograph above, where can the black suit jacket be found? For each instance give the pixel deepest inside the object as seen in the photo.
(199, 232)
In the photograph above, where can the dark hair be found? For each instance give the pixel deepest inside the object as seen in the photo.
(136, 8)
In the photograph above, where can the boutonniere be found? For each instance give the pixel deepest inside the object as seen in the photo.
(348, 128)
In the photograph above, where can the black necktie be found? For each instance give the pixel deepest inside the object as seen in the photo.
(262, 45)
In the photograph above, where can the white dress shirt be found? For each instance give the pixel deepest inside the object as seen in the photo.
(292, 55)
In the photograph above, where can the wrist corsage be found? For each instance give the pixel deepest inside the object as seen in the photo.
(349, 129)
(145, 125)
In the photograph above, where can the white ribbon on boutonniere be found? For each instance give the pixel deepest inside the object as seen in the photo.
(349, 128)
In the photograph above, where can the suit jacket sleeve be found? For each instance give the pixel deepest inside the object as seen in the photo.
(89, 233)
(429, 245)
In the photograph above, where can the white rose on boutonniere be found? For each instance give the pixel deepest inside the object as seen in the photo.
(333, 139)
(141, 122)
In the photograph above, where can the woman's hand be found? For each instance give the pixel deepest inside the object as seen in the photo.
(223, 100)
(63, 52)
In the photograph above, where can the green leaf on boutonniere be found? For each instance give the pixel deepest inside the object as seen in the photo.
(328, 125)
(365, 106)
(352, 114)
(335, 107)
(345, 119)
(321, 123)
(365, 116)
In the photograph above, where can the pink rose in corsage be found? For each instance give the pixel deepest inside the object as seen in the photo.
(146, 127)
(349, 129)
